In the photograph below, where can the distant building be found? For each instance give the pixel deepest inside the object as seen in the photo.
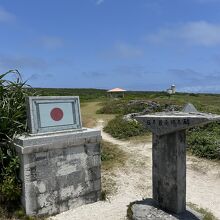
(171, 90)
(116, 93)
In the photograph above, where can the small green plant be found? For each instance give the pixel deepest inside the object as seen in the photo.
(10, 187)
(122, 129)
(129, 211)
(207, 215)
(103, 196)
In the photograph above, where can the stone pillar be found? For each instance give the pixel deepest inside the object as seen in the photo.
(169, 153)
(169, 171)
(59, 171)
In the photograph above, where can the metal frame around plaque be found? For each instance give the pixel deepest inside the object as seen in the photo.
(35, 119)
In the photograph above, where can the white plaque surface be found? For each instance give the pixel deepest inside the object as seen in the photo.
(52, 113)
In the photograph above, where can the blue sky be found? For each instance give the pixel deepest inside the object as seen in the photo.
(133, 44)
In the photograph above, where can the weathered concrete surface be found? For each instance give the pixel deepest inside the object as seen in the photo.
(59, 171)
(169, 171)
(167, 122)
(149, 210)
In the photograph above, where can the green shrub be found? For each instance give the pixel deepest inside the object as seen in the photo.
(12, 122)
(120, 128)
(205, 141)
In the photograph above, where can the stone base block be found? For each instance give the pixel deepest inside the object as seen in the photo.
(149, 210)
(59, 171)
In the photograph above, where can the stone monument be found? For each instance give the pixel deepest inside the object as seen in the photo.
(169, 154)
(60, 160)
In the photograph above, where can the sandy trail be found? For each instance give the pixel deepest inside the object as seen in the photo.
(134, 183)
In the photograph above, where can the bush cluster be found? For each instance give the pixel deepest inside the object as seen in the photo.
(205, 141)
(13, 93)
(120, 128)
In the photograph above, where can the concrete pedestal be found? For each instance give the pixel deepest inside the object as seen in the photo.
(169, 171)
(59, 171)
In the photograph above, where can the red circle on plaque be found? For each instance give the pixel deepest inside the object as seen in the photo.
(56, 114)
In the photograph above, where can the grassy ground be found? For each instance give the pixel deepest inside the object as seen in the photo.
(112, 158)
(89, 116)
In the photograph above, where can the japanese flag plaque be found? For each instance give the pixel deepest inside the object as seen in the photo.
(53, 113)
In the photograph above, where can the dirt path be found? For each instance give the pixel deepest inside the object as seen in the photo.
(134, 183)
(203, 184)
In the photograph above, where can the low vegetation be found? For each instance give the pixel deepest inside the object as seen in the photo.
(205, 141)
(84, 94)
(124, 107)
(202, 141)
(15, 214)
(122, 129)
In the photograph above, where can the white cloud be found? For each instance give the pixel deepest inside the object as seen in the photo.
(201, 89)
(127, 51)
(122, 51)
(6, 16)
(194, 33)
(51, 42)
(99, 2)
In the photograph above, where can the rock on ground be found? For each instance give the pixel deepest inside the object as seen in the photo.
(148, 210)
